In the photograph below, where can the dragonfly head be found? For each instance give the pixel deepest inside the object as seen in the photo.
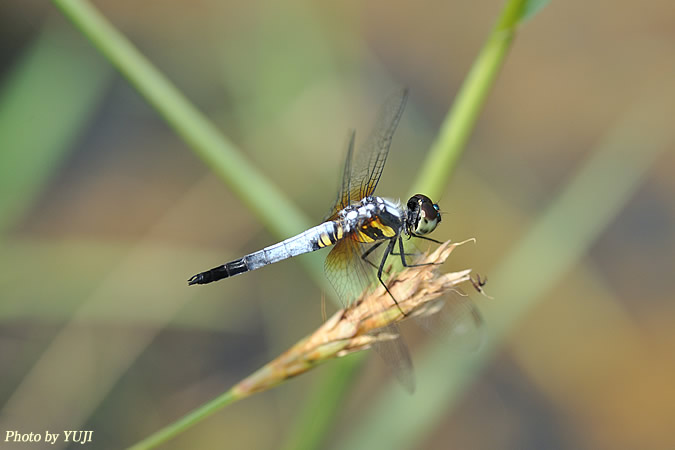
(423, 215)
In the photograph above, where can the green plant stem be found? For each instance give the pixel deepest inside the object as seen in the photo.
(277, 212)
(458, 124)
(589, 201)
(185, 422)
(323, 404)
(438, 165)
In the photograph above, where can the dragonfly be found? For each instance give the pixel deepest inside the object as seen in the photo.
(359, 224)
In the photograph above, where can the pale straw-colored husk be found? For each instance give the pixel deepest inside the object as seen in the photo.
(358, 326)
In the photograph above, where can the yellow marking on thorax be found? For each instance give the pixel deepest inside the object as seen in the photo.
(362, 232)
(362, 237)
(386, 230)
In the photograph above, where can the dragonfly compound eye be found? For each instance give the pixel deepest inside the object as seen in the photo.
(424, 214)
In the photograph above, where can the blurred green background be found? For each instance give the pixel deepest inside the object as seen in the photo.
(105, 213)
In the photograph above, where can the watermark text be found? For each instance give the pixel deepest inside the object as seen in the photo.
(48, 437)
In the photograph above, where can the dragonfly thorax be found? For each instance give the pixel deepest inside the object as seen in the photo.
(373, 219)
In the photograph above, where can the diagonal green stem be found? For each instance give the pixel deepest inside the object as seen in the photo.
(458, 124)
(185, 422)
(438, 165)
(320, 411)
(558, 238)
(277, 213)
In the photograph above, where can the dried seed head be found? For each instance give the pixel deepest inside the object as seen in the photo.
(361, 324)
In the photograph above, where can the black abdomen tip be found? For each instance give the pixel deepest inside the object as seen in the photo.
(215, 274)
(196, 279)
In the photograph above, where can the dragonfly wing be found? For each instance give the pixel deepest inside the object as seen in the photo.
(350, 276)
(455, 317)
(373, 155)
(344, 266)
(395, 355)
(360, 178)
(345, 270)
(343, 197)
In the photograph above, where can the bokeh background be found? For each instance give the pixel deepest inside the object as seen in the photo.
(105, 212)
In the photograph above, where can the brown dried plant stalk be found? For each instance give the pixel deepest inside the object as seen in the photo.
(358, 326)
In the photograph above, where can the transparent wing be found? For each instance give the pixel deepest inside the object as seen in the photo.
(345, 270)
(396, 356)
(372, 157)
(455, 317)
(343, 196)
(344, 267)
(360, 178)
(351, 276)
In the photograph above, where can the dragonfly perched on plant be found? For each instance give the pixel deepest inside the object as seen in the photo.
(359, 224)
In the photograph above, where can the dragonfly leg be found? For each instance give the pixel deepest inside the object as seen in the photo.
(405, 263)
(365, 254)
(425, 238)
(404, 255)
(387, 251)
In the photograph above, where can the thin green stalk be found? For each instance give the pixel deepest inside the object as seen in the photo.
(185, 422)
(277, 213)
(320, 411)
(324, 410)
(458, 124)
(560, 237)
(440, 162)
